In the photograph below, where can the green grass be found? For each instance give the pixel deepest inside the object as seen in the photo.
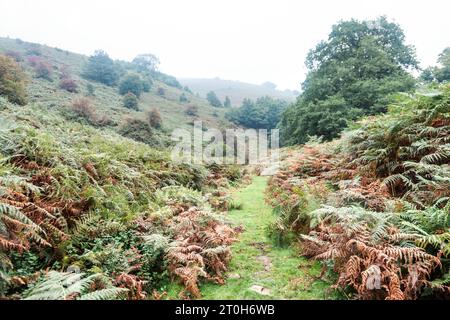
(107, 100)
(291, 276)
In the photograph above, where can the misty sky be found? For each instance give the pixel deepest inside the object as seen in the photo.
(252, 41)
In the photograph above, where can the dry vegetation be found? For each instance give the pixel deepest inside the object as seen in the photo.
(374, 206)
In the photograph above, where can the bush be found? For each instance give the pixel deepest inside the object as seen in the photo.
(132, 83)
(137, 129)
(161, 92)
(12, 81)
(43, 70)
(213, 99)
(83, 107)
(101, 68)
(69, 85)
(192, 110)
(15, 55)
(154, 118)
(183, 98)
(90, 90)
(130, 101)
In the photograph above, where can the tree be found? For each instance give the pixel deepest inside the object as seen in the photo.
(130, 101)
(227, 102)
(146, 62)
(101, 68)
(443, 73)
(154, 118)
(132, 83)
(213, 99)
(12, 81)
(351, 74)
(264, 113)
(183, 98)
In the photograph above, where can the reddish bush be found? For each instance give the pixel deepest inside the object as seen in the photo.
(15, 55)
(68, 84)
(84, 108)
(42, 68)
(33, 60)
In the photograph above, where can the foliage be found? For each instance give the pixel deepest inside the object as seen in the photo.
(191, 110)
(137, 129)
(351, 74)
(227, 102)
(264, 113)
(72, 286)
(374, 205)
(146, 62)
(101, 68)
(131, 83)
(161, 92)
(213, 99)
(43, 69)
(90, 202)
(183, 98)
(154, 118)
(440, 73)
(69, 85)
(130, 101)
(12, 81)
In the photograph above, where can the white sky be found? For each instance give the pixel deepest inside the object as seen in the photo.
(248, 40)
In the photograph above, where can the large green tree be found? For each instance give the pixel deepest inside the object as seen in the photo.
(101, 68)
(264, 113)
(350, 74)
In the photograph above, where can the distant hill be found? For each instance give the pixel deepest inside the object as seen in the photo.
(236, 90)
(47, 94)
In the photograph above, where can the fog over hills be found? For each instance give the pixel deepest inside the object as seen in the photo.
(237, 90)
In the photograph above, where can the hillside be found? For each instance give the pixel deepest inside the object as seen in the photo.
(106, 100)
(236, 90)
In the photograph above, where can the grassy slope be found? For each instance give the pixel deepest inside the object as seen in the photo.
(236, 90)
(107, 100)
(291, 276)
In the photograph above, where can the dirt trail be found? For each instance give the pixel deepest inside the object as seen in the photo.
(260, 270)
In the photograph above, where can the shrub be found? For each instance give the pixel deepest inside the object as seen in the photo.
(192, 110)
(15, 55)
(130, 101)
(83, 107)
(43, 70)
(90, 90)
(183, 98)
(68, 84)
(154, 118)
(137, 129)
(161, 92)
(132, 83)
(12, 81)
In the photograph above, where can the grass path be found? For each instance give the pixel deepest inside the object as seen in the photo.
(258, 262)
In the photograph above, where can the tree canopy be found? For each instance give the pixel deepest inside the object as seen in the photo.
(101, 68)
(264, 113)
(439, 73)
(350, 74)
